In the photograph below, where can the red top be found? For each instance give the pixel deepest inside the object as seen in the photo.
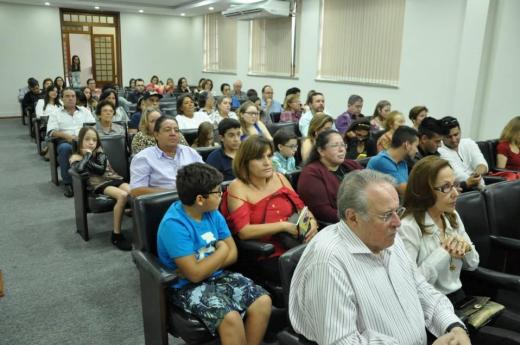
(513, 159)
(277, 207)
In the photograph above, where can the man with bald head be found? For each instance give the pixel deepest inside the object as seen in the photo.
(237, 95)
(355, 284)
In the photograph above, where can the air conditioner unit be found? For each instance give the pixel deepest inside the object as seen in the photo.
(264, 9)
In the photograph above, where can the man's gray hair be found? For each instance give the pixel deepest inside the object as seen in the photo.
(354, 98)
(352, 191)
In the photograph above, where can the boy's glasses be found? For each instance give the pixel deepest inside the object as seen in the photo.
(292, 147)
(218, 192)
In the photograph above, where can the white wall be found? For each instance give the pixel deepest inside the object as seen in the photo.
(501, 92)
(30, 47)
(157, 45)
(81, 46)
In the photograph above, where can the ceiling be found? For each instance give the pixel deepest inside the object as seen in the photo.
(187, 8)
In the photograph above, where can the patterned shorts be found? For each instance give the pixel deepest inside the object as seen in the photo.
(212, 299)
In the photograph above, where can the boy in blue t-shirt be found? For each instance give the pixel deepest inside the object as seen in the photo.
(285, 143)
(194, 240)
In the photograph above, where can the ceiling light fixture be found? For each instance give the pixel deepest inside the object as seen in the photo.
(141, 11)
(96, 7)
(211, 8)
(47, 4)
(183, 14)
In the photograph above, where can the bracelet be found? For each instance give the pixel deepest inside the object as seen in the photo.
(455, 325)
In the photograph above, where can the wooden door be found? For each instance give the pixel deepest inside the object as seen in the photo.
(103, 59)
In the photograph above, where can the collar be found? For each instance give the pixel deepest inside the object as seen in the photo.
(160, 153)
(354, 243)
(280, 156)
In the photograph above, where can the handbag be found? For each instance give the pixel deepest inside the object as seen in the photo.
(479, 311)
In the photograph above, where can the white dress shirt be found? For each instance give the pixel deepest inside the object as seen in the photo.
(62, 121)
(342, 293)
(432, 260)
(192, 123)
(49, 109)
(464, 160)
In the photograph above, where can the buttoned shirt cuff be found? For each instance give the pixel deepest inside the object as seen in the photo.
(456, 324)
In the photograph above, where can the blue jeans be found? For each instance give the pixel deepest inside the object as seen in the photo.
(64, 153)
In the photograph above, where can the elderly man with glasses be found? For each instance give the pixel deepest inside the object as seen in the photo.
(355, 283)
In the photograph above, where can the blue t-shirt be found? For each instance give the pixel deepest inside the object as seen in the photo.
(134, 120)
(222, 162)
(179, 235)
(382, 162)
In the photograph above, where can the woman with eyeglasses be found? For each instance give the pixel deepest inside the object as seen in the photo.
(259, 202)
(323, 172)
(249, 116)
(435, 238)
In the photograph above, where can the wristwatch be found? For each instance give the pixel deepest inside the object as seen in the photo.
(457, 324)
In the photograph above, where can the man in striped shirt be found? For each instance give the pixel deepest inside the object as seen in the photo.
(355, 284)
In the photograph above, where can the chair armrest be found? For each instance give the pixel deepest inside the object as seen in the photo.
(506, 242)
(255, 248)
(76, 174)
(147, 263)
(497, 279)
(505, 170)
(493, 179)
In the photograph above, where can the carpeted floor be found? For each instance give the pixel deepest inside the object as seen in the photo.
(59, 289)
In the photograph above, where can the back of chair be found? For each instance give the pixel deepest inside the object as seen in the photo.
(190, 135)
(274, 127)
(288, 262)
(115, 148)
(493, 150)
(293, 177)
(148, 212)
(204, 152)
(275, 117)
(472, 209)
(503, 203)
(485, 148)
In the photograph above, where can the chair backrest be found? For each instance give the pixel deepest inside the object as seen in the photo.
(378, 135)
(204, 152)
(472, 209)
(503, 203)
(493, 150)
(485, 148)
(190, 135)
(293, 177)
(115, 146)
(148, 212)
(364, 161)
(275, 117)
(287, 263)
(274, 127)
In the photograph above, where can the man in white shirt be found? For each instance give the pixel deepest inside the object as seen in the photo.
(65, 125)
(355, 283)
(316, 103)
(464, 155)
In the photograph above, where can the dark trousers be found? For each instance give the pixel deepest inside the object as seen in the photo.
(64, 153)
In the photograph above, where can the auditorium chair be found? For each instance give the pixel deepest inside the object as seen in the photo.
(84, 202)
(52, 144)
(40, 129)
(488, 279)
(288, 262)
(291, 126)
(275, 117)
(190, 135)
(159, 316)
(293, 177)
(31, 115)
(204, 152)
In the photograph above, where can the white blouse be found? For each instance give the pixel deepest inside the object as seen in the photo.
(120, 115)
(49, 109)
(193, 122)
(216, 118)
(432, 260)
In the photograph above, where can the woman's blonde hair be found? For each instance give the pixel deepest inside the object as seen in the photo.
(289, 99)
(143, 123)
(318, 121)
(511, 130)
(391, 118)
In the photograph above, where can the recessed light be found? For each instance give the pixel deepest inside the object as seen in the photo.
(211, 8)
(183, 14)
(141, 11)
(47, 4)
(96, 7)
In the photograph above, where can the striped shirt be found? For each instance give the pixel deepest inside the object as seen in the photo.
(342, 293)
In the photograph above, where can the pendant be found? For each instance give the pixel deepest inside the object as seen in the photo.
(452, 267)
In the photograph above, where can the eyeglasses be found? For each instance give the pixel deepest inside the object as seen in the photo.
(218, 192)
(385, 217)
(447, 187)
(337, 145)
(252, 113)
(292, 147)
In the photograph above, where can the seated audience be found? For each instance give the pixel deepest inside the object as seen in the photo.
(169, 88)
(316, 104)
(154, 85)
(259, 202)
(131, 85)
(206, 102)
(187, 117)
(208, 85)
(138, 92)
(194, 240)
(102, 179)
(182, 86)
(145, 138)
(200, 86)
(46, 83)
(111, 96)
(322, 174)
(361, 145)
(393, 161)
(154, 169)
(205, 136)
(463, 154)
(223, 111)
(292, 91)
(319, 123)
(49, 104)
(354, 107)
(248, 114)
(417, 115)
(292, 109)
(393, 121)
(435, 239)
(222, 159)
(355, 283)
(32, 96)
(135, 118)
(105, 111)
(430, 139)
(237, 95)
(150, 99)
(252, 93)
(269, 104)
(91, 103)
(60, 85)
(508, 148)
(225, 89)
(64, 124)
(91, 84)
(381, 111)
(285, 143)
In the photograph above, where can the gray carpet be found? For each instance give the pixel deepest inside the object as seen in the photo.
(59, 289)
